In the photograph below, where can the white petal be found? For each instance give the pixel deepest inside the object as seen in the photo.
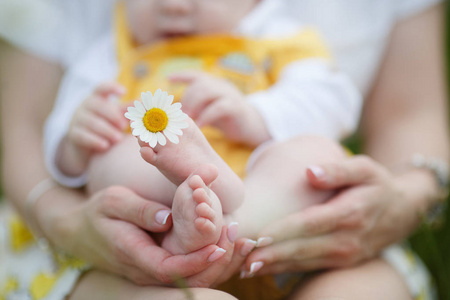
(157, 98)
(153, 141)
(145, 135)
(137, 132)
(179, 118)
(167, 103)
(147, 100)
(139, 106)
(180, 125)
(161, 138)
(171, 137)
(173, 129)
(174, 107)
(133, 112)
(137, 124)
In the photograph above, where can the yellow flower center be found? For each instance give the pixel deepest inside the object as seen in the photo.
(155, 120)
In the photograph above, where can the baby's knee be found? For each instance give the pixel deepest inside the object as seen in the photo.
(302, 149)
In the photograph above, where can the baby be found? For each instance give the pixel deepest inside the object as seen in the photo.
(186, 172)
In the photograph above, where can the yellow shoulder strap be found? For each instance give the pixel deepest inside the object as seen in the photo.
(124, 41)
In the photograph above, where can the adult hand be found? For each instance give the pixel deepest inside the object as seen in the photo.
(217, 102)
(111, 230)
(371, 210)
(231, 263)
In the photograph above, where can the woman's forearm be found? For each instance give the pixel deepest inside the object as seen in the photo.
(407, 110)
(28, 87)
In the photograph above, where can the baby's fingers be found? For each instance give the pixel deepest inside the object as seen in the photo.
(101, 127)
(88, 140)
(109, 111)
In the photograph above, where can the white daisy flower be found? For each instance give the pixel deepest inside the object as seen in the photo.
(156, 118)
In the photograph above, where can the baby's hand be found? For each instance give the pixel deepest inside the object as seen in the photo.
(98, 123)
(216, 102)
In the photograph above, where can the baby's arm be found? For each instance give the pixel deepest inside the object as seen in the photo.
(95, 126)
(309, 98)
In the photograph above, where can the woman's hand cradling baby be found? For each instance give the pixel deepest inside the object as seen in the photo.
(111, 231)
(353, 226)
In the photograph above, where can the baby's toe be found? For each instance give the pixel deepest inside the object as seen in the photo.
(204, 225)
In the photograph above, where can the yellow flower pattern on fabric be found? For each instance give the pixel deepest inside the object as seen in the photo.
(21, 237)
(42, 285)
(71, 262)
(10, 286)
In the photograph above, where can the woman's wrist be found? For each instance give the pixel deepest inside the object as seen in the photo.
(420, 191)
(52, 214)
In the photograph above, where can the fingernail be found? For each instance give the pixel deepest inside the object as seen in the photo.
(264, 241)
(162, 216)
(232, 231)
(216, 254)
(245, 274)
(255, 267)
(318, 172)
(248, 246)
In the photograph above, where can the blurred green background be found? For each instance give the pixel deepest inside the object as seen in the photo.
(432, 244)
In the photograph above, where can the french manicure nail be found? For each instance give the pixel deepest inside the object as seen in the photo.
(245, 274)
(318, 172)
(255, 267)
(216, 254)
(264, 241)
(162, 216)
(232, 231)
(248, 247)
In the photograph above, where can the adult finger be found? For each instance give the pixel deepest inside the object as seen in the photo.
(211, 275)
(355, 170)
(295, 266)
(154, 265)
(127, 206)
(243, 247)
(298, 250)
(312, 221)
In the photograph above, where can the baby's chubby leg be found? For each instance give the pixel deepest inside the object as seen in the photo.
(276, 184)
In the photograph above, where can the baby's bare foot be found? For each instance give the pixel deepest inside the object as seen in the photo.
(178, 161)
(196, 214)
